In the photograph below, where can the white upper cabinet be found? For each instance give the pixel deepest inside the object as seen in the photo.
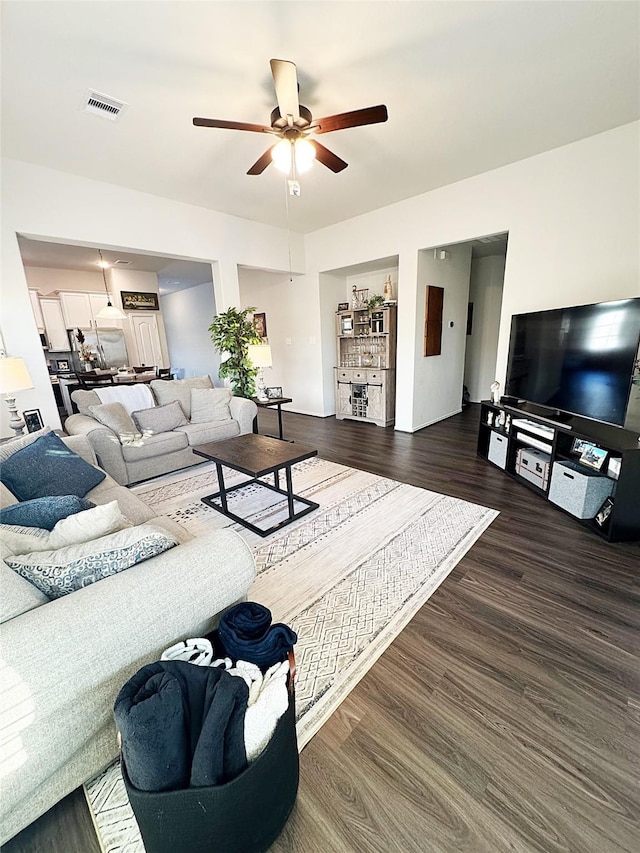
(37, 311)
(54, 325)
(80, 311)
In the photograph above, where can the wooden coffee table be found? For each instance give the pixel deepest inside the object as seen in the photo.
(257, 456)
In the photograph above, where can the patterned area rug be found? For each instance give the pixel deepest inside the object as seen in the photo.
(348, 578)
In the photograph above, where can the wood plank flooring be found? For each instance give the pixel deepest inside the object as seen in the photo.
(505, 717)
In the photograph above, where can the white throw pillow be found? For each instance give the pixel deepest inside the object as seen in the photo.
(77, 528)
(210, 405)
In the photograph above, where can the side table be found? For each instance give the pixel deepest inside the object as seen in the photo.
(268, 404)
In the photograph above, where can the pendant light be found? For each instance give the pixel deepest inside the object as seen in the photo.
(109, 312)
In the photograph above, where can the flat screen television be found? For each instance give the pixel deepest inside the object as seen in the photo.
(578, 360)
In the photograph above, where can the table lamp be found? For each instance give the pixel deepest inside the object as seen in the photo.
(14, 376)
(260, 357)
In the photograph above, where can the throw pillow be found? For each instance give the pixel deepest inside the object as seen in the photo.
(160, 418)
(210, 405)
(79, 527)
(179, 389)
(118, 419)
(57, 573)
(43, 512)
(48, 467)
(10, 447)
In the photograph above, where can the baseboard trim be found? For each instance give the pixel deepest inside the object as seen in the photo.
(435, 420)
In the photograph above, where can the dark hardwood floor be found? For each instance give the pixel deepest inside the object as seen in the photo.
(505, 717)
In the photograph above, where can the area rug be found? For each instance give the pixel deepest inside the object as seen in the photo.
(347, 578)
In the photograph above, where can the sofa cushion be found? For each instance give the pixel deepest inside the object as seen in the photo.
(48, 467)
(210, 405)
(131, 506)
(154, 445)
(160, 418)
(204, 433)
(18, 595)
(76, 528)
(44, 512)
(118, 419)
(179, 389)
(58, 573)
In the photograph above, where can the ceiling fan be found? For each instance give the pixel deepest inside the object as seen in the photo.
(293, 124)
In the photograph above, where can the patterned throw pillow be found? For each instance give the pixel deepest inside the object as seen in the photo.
(57, 573)
(43, 512)
(210, 405)
(48, 467)
(160, 418)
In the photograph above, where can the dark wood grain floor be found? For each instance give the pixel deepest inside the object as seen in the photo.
(505, 717)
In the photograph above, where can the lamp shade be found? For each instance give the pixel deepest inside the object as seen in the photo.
(260, 355)
(14, 376)
(110, 312)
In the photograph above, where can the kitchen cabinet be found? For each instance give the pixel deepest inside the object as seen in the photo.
(80, 311)
(54, 325)
(34, 296)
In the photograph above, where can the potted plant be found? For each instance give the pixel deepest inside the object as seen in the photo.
(375, 302)
(231, 333)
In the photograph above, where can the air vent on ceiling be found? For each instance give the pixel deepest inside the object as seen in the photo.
(103, 105)
(121, 263)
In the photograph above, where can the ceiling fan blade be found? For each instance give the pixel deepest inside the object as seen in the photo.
(328, 158)
(231, 125)
(356, 118)
(261, 163)
(285, 81)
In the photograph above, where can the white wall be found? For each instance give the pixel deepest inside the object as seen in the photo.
(294, 333)
(573, 217)
(438, 378)
(187, 316)
(45, 204)
(485, 293)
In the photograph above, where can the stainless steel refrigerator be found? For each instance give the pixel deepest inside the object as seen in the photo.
(108, 344)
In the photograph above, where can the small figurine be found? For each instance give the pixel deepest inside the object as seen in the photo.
(490, 418)
(388, 290)
(495, 392)
(507, 424)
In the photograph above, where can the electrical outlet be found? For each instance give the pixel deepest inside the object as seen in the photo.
(287, 341)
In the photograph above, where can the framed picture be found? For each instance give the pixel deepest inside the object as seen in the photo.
(579, 445)
(604, 513)
(62, 364)
(274, 392)
(139, 301)
(593, 456)
(33, 420)
(343, 306)
(260, 323)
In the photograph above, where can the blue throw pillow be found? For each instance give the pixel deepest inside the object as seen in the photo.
(43, 512)
(48, 467)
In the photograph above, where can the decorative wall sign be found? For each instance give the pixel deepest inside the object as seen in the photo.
(139, 301)
(260, 323)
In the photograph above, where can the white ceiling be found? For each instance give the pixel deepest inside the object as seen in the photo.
(470, 86)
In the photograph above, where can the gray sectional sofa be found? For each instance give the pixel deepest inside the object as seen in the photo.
(130, 459)
(64, 660)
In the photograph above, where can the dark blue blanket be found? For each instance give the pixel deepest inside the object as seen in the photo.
(182, 725)
(246, 633)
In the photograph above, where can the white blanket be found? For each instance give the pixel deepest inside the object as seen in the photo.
(133, 397)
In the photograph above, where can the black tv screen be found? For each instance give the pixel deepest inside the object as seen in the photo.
(578, 360)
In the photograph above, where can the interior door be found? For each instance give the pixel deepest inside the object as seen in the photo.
(147, 339)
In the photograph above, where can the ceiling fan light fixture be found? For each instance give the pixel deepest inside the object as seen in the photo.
(282, 155)
(305, 154)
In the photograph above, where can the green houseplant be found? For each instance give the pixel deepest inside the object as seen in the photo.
(232, 332)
